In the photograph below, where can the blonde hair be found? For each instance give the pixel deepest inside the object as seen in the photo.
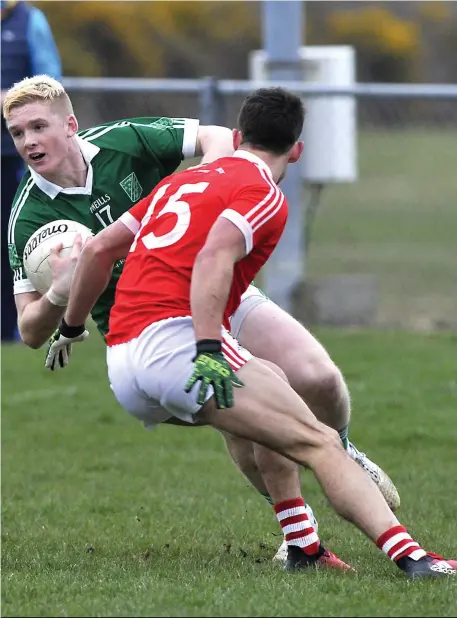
(38, 88)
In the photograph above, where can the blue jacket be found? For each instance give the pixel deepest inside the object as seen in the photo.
(28, 49)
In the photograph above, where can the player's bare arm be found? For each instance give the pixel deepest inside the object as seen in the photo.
(212, 277)
(90, 279)
(94, 270)
(39, 316)
(213, 142)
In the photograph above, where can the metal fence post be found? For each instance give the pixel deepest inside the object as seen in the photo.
(211, 109)
(282, 28)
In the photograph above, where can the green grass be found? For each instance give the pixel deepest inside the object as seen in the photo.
(102, 518)
(398, 222)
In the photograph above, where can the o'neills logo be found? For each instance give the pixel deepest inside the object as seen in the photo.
(46, 233)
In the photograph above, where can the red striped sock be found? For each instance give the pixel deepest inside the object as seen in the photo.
(397, 543)
(296, 526)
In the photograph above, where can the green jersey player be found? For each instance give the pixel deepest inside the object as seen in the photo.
(124, 159)
(95, 176)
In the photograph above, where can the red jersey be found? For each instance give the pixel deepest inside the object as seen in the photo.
(171, 226)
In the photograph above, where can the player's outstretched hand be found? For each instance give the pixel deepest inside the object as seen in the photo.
(211, 369)
(59, 348)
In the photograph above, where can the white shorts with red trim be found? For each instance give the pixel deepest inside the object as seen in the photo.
(148, 374)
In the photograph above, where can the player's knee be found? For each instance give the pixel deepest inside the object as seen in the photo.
(330, 437)
(328, 442)
(321, 381)
(317, 446)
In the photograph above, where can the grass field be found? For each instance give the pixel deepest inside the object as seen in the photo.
(102, 518)
(398, 222)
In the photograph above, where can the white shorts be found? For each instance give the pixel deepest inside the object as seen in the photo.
(249, 300)
(148, 374)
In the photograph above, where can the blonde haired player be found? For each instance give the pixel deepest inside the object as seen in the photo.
(96, 175)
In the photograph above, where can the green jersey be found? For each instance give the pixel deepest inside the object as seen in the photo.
(126, 160)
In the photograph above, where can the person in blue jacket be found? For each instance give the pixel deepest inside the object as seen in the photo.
(28, 49)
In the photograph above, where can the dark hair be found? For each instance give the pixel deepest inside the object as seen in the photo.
(271, 119)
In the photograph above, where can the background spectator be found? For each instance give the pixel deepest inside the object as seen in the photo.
(28, 49)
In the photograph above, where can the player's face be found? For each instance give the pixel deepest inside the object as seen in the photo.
(41, 135)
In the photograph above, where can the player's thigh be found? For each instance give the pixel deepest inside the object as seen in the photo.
(266, 410)
(269, 332)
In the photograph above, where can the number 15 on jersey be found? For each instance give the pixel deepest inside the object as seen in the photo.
(175, 205)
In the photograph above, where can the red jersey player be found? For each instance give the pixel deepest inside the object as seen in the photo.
(198, 240)
(178, 218)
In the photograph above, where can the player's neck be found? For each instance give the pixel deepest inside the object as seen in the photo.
(274, 162)
(72, 171)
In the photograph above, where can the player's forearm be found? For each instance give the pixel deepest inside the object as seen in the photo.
(92, 275)
(38, 321)
(212, 276)
(214, 142)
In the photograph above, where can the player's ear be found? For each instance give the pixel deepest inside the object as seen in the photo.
(72, 125)
(237, 138)
(295, 152)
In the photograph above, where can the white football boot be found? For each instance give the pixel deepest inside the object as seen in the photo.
(386, 487)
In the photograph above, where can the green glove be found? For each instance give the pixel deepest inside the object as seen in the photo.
(211, 368)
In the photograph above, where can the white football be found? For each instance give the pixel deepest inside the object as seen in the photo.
(39, 245)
